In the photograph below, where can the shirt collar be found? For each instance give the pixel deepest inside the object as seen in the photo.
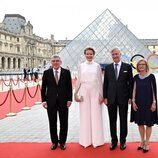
(89, 62)
(59, 70)
(119, 63)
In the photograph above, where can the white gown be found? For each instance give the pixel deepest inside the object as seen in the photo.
(91, 125)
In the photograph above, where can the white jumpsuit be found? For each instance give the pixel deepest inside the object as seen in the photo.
(91, 124)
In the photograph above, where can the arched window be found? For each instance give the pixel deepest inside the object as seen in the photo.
(9, 62)
(14, 63)
(3, 62)
(44, 63)
(19, 63)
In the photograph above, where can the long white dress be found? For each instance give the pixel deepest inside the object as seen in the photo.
(91, 125)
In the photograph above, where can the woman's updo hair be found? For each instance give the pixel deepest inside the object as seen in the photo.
(89, 48)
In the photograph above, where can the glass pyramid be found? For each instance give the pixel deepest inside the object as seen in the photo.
(103, 34)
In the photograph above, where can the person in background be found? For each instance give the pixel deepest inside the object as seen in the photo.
(56, 98)
(26, 76)
(31, 73)
(88, 93)
(35, 72)
(144, 103)
(117, 92)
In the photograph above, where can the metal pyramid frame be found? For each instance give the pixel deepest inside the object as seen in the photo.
(103, 34)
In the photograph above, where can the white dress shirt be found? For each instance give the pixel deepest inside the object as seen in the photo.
(59, 72)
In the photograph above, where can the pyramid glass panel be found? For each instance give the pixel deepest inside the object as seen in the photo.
(103, 34)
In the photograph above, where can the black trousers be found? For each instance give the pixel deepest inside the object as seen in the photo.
(112, 111)
(53, 111)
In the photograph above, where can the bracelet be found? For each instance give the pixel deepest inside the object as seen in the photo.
(154, 101)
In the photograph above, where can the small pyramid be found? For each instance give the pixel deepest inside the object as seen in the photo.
(103, 34)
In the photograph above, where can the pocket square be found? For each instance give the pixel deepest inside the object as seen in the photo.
(124, 71)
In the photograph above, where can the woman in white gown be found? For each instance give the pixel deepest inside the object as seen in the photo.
(89, 86)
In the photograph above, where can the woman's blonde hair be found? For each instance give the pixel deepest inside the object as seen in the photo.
(146, 63)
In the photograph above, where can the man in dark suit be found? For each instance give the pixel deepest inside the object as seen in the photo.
(117, 93)
(56, 98)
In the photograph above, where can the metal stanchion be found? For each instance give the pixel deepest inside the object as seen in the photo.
(10, 104)
(18, 82)
(38, 94)
(1, 82)
(26, 107)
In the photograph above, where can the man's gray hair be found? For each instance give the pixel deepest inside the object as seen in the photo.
(55, 56)
(115, 49)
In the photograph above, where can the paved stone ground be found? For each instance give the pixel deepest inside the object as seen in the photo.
(32, 126)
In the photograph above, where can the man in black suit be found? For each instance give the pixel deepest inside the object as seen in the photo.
(117, 93)
(56, 98)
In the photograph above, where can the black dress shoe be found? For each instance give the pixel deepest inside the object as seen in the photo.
(62, 146)
(54, 146)
(113, 146)
(122, 146)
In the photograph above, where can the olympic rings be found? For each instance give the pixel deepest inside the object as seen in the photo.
(134, 56)
(149, 57)
(133, 60)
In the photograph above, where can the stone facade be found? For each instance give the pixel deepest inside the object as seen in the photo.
(151, 44)
(20, 48)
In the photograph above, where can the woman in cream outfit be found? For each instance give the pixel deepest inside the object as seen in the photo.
(89, 86)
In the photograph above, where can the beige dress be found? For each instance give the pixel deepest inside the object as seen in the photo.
(91, 125)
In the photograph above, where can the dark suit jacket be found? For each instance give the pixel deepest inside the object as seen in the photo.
(120, 88)
(51, 91)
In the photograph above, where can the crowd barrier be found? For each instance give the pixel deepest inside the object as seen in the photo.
(15, 100)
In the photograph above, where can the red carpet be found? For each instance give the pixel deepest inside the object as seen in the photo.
(16, 107)
(74, 150)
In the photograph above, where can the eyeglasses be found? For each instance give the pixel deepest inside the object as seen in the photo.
(141, 64)
(55, 61)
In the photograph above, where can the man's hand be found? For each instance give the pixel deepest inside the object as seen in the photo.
(68, 104)
(105, 101)
(44, 104)
(101, 100)
(130, 101)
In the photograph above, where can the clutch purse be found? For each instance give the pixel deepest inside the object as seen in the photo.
(79, 98)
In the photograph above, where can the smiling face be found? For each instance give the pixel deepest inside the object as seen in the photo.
(116, 55)
(89, 54)
(142, 66)
(56, 62)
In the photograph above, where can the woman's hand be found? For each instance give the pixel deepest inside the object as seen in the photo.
(78, 98)
(153, 107)
(135, 107)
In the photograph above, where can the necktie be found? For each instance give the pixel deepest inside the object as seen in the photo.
(56, 76)
(116, 71)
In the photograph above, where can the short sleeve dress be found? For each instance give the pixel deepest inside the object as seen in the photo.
(145, 88)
